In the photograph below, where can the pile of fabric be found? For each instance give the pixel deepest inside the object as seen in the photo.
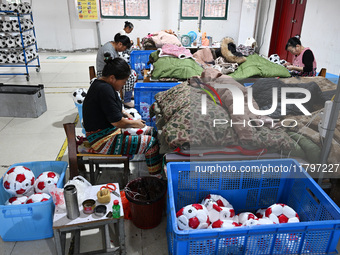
(158, 39)
(173, 62)
(182, 124)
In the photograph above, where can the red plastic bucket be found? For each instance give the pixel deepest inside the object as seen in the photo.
(147, 201)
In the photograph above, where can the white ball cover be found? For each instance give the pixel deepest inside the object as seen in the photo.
(193, 216)
(18, 180)
(16, 200)
(79, 95)
(37, 197)
(282, 213)
(45, 181)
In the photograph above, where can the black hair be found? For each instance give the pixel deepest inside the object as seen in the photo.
(125, 40)
(292, 42)
(128, 24)
(117, 67)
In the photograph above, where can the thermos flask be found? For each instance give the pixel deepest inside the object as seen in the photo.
(71, 201)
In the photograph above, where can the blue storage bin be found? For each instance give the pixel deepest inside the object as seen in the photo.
(145, 96)
(29, 221)
(318, 233)
(80, 114)
(139, 60)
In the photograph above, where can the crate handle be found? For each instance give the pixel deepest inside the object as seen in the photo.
(12, 215)
(313, 195)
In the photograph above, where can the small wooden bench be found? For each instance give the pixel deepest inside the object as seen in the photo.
(77, 161)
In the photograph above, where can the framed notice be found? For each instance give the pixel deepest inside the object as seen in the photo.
(87, 10)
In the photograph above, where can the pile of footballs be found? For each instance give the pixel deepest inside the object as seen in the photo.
(25, 188)
(216, 212)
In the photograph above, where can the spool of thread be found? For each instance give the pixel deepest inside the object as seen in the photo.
(71, 201)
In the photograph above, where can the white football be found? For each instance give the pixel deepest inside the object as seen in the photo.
(21, 57)
(254, 222)
(3, 43)
(134, 113)
(281, 213)
(15, 25)
(18, 180)
(45, 181)
(14, 7)
(11, 42)
(134, 131)
(194, 216)
(3, 58)
(274, 58)
(26, 7)
(224, 224)
(246, 216)
(4, 7)
(260, 213)
(218, 207)
(134, 75)
(16, 200)
(79, 95)
(6, 26)
(220, 201)
(38, 197)
(12, 58)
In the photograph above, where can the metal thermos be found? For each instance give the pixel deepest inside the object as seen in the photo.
(71, 201)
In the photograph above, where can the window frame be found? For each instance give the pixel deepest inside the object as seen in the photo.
(124, 16)
(207, 18)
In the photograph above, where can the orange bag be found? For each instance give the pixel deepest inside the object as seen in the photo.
(126, 205)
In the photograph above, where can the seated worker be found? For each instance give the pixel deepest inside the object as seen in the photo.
(128, 27)
(120, 43)
(304, 63)
(104, 118)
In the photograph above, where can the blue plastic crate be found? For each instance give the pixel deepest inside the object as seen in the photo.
(139, 60)
(145, 96)
(333, 78)
(29, 221)
(318, 233)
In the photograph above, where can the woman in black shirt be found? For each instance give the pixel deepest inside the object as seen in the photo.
(103, 119)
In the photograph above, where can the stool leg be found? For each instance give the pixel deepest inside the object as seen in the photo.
(107, 238)
(121, 236)
(57, 240)
(92, 173)
(126, 171)
(77, 241)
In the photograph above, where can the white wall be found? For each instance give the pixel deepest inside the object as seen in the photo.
(265, 19)
(319, 31)
(58, 28)
(52, 24)
(247, 20)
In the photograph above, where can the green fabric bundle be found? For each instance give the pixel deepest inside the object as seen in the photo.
(261, 67)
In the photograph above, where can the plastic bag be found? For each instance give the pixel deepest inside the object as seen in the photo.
(126, 205)
(82, 186)
(58, 197)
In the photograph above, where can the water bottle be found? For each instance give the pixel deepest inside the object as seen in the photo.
(116, 209)
(71, 201)
(199, 39)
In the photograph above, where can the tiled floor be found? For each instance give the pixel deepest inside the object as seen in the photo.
(36, 139)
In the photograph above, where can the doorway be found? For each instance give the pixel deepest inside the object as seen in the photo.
(288, 21)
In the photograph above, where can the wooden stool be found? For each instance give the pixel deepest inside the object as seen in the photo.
(78, 160)
(62, 225)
